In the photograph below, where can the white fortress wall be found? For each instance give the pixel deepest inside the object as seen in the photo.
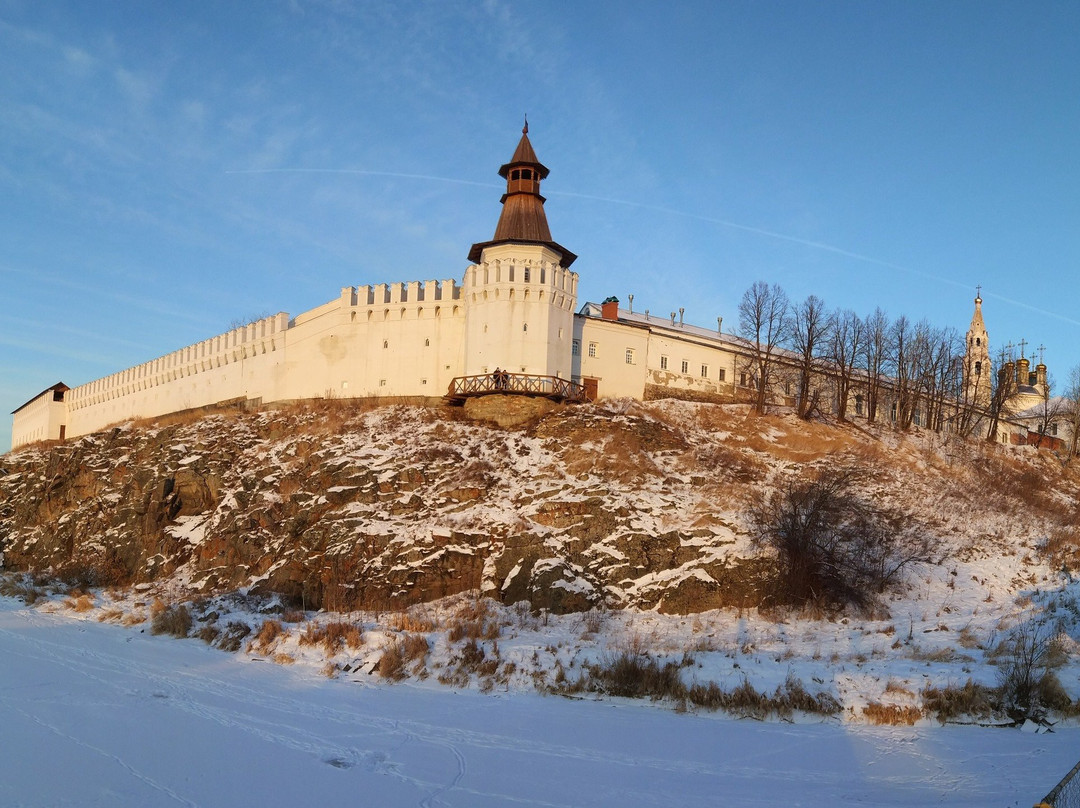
(39, 419)
(398, 339)
(229, 366)
(336, 349)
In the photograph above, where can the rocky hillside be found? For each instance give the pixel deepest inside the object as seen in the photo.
(341, 506)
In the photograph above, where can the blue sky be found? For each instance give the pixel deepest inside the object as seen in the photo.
(169, 168)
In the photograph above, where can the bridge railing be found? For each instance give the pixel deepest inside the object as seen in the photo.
(516, 384)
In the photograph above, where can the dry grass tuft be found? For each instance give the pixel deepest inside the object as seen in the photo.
(81, 603)
(112, 615)
(332, 636)
(392, 662)
(267, 635)
(414, 621)
(893, 686)
(891, 715)
(972, 700)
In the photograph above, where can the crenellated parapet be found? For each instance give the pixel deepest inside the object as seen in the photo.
(259, 337)
(403, 300)
(509, 276)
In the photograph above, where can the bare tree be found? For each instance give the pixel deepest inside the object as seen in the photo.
(809, 334)
(763, 322)
(846, 337)
(833, 544)
(1071, 410)
(1049, 412)
(1003, 389)
(903, 357)
(875, 355)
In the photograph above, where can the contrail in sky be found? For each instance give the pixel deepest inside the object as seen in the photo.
(817, 245)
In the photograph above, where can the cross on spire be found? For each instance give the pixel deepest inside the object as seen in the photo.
(1042, 348)
(1023, 344)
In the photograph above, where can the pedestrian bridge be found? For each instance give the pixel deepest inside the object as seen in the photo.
(514, 384)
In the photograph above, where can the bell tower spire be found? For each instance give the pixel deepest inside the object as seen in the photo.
(977, 358)
(523, 220)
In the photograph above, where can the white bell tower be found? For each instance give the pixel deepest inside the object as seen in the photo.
(520, 294)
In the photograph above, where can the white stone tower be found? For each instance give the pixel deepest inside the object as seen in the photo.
(977, 378)
(520, 294)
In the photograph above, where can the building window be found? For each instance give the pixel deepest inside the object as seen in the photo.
(685, 366)
(382, 382)
(720, 374)
(592, 349)
(704, 371)
(858, 405)
(386, 343)
(629, 356)
(528, 274)
(742, 380)
(978, 368)
(524, 326)
(663, 363)
(575, 347)
(423, 381)
(427, 343)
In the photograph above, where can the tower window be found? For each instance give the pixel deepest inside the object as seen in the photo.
(386, 343)
(515, 174)
(978, 368)
(526, 174)
(528, 274)
(524, 326)
(575, 347)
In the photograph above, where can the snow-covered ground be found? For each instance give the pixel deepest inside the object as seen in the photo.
(95, 714)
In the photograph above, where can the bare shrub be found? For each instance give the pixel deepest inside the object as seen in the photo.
(232, 638)
(891, 714)
(172, 620)
(636, 676)
(415, 647)
(1026, 657)
(20, 587)
(208, 633)
(831, 543)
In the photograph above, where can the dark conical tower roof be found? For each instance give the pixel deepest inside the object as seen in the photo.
(523, 220)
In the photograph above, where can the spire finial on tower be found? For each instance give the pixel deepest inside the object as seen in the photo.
(525, 128)
(978, 293)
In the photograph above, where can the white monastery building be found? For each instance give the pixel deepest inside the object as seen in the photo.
(511, 324)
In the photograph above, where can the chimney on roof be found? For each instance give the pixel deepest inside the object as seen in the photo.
(609, 309)
(681, 310)
(631, 299)
(719, 325)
